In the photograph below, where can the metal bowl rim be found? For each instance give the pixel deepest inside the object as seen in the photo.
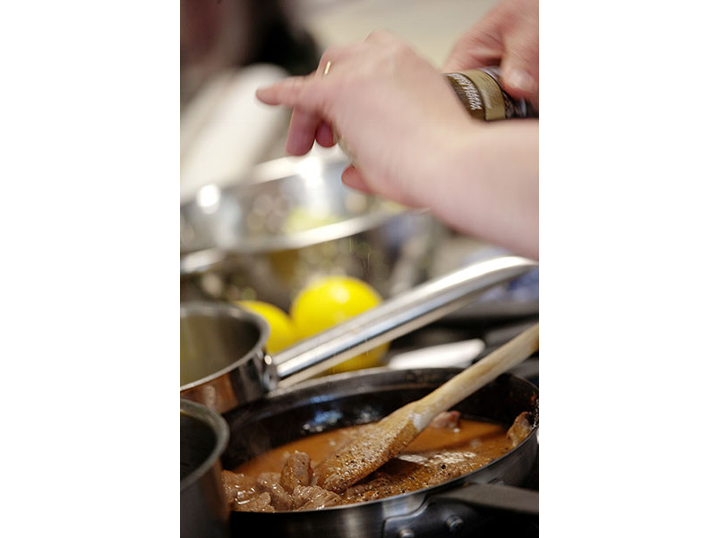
(204, 260)
(278, 170)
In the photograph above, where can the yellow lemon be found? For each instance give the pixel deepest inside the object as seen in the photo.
(282, 328)
(330, 300)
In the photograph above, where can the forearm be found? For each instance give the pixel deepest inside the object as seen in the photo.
(485, 183)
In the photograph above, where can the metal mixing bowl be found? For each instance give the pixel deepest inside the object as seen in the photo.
(292, 219)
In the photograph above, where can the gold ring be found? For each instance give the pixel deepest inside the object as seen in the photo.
(327, 68)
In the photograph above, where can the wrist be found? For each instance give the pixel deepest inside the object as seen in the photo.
(486, 183)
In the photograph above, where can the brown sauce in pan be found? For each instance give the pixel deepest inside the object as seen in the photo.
(438, 454)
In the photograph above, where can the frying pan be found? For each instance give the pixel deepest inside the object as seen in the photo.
(223, 363)
(456, 507)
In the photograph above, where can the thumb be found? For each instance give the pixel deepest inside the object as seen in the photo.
(518, 81)
(520, 75)
(352, 177)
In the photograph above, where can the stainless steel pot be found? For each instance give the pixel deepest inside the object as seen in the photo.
(203, 438)
(289, 220)
(455, 508)
(223, 363)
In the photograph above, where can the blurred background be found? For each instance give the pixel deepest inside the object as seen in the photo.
(259, 226)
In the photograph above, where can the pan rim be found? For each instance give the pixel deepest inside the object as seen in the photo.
(450, 484)
(221, 429)
(200, 307)
(420, 493)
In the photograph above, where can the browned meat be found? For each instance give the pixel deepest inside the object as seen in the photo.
(258, 503)
(313, 498)
(447, 451)
(446, 419)
(267, 493)
(296, 471)
(238, 487)
(242, 494)
(270, 483)
(520, 429)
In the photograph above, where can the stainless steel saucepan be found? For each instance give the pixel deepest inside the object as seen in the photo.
(223, 363)
(203, 438)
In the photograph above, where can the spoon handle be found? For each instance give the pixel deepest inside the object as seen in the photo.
(479, 374)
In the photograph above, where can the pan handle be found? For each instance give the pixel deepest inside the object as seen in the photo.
(496, 497)
(473, 504)
(395, 317)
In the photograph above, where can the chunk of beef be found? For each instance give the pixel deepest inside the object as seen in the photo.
(270, 483)
(296, 471)
(446, 419)
(237, 487)
(313, 498)
(520, 429)
(258, 503)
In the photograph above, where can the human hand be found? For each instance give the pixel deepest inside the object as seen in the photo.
(396, 114)
(412, 141)
(507, 36)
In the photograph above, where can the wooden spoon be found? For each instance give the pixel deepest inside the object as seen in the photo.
(385, 439)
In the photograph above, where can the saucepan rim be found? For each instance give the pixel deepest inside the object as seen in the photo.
(200, 307)
(222, 436)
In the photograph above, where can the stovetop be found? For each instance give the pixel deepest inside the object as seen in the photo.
(493, 319)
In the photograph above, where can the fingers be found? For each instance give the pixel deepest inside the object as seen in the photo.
(471, 60)
(506, 36)
(518, 62)
(301, 133)
(286, 92)
(481, 46)
(518, 81)
(353, 179)
(308, 97)
(304, 96)
(324, 135)
(520, 68)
